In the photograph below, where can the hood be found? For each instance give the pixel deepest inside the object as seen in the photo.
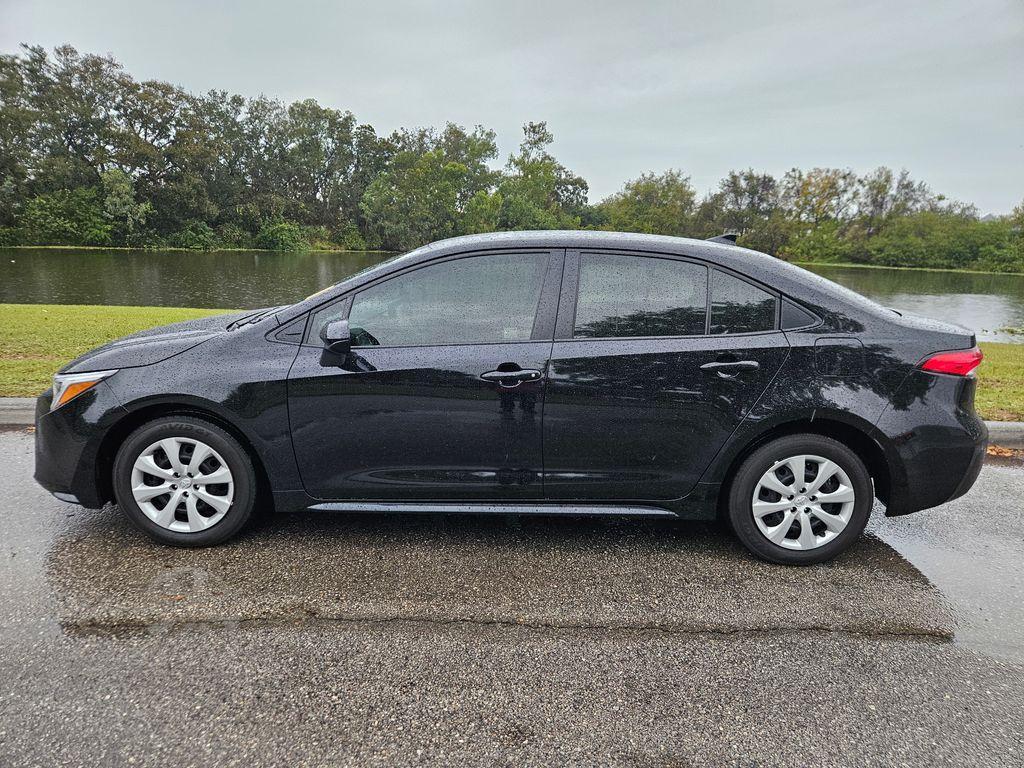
(154, 345)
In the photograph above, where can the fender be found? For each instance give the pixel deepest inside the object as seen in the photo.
(754, 431)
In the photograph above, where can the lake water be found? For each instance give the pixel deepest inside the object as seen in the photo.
(249, 279)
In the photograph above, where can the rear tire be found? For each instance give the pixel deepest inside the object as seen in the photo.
(800, 520)
(185, 482)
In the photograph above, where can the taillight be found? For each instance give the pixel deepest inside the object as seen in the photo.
(959, 362)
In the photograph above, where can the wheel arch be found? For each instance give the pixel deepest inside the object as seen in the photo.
(150, 411)
(856, 436)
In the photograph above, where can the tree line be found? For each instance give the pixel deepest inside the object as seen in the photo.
(90, 156)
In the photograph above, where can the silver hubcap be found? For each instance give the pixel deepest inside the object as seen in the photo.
(182, 484)
(803, 502)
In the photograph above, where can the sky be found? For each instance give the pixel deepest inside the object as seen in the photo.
(933, 86)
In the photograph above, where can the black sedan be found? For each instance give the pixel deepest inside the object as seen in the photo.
(571, 373)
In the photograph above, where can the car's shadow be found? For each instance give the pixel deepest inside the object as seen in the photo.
(545, 571)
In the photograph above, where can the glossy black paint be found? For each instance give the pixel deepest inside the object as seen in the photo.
(418, 423)
(643, 420)
(643, 423)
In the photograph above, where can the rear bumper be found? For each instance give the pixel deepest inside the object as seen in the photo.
(67, 443)
(941, 460)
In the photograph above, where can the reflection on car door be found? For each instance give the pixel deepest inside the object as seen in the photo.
(648, 377)
(442, 394)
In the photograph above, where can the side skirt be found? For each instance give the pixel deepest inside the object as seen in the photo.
(509, 508)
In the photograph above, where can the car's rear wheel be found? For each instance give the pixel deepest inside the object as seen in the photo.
(184, 481)
(800, 499)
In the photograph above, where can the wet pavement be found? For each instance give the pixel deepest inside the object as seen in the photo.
(335, 639)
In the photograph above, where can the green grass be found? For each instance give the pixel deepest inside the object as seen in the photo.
(1001, 382)
(36, 339)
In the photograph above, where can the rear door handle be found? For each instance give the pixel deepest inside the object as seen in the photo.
(730, 367)
(509, 379)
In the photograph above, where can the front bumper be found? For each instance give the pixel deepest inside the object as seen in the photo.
(68, 443)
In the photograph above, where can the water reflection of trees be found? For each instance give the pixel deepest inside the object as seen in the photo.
(726, 317)
(742, 317)
(676, 321)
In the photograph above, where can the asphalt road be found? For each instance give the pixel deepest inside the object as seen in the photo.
(367, 640)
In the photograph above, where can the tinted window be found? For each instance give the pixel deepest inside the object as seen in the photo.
(477, 299)
(739, 307)
(640, 296)
(794, 316)
(322, 317)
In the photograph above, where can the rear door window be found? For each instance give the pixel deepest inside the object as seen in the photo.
(637, 296)
(740, 307)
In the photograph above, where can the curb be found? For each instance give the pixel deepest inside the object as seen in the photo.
(17, 411)
(1008, 434)
(21, 412)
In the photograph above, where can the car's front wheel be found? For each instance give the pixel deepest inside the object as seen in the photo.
(184, 481)
(800, 499)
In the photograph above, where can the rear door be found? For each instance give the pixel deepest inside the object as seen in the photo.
(441, 396)
(656, 361)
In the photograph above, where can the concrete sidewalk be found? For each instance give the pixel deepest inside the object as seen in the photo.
(20, 412)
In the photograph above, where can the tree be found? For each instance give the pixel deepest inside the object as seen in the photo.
(195, 235)
(126, 216)
(318, 163)
(280, 236)
(90, 155)
(17, 119)
(664, 204)
(412, 202)
(66, 217)
(536, 191)
(819, 206)
(939, 239)
(820, 195)
(885, 195)
(434, 187)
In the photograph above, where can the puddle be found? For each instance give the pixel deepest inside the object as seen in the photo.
(972, 550)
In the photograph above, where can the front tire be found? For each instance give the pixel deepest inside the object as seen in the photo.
(800, 500)
(185, 482)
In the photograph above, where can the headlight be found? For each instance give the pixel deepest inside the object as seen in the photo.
(70, 385)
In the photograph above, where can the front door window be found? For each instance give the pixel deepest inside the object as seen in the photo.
(475, 300)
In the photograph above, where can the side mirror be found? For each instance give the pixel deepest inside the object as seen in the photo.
(336, 337)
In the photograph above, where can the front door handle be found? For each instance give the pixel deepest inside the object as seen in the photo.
(509, 379)
(730, 368)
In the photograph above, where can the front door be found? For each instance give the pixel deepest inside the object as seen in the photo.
(442, 394)
(648, 377)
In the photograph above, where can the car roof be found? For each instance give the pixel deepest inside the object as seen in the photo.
(727, 255)
(572, 238)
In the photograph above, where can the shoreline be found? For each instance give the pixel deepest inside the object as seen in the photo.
(180, 250)
(801, 263)
(902, 269)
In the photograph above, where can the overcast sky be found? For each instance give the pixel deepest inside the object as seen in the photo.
(933, 86)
